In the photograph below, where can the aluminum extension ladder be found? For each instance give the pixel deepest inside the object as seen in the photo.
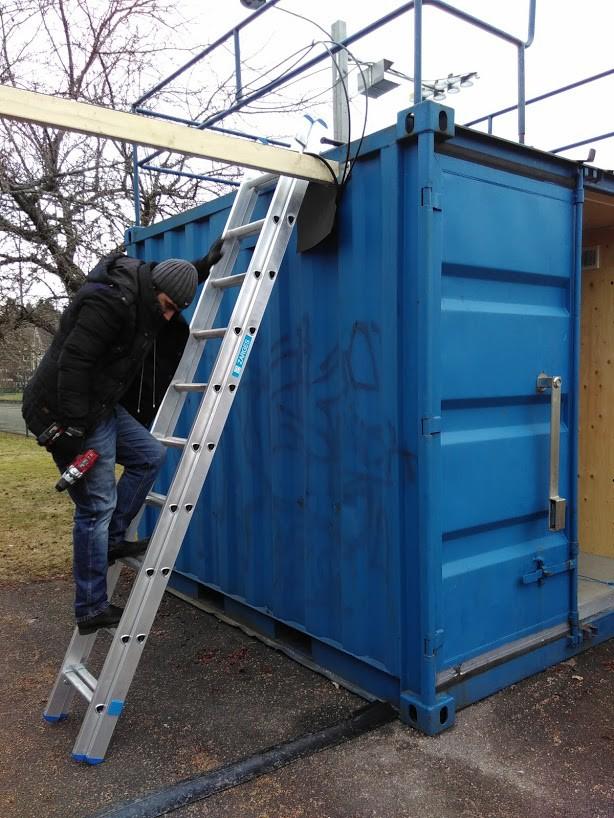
(106, 695)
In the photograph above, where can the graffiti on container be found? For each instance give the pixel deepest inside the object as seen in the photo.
(318, 432)
(334, 435)
(345, 389)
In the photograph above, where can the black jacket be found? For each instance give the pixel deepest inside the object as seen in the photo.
(104, 338)
(149, 386)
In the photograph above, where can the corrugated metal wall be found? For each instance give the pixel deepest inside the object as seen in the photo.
(300, 516)
(310, 511)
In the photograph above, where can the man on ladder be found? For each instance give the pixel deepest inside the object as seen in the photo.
(119, 342)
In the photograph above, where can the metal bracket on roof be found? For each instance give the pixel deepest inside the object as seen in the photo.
(426, 116)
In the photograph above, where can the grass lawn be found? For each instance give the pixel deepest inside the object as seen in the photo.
(12, 396)
(35, 520)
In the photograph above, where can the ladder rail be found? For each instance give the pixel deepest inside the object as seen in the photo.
(206, 311)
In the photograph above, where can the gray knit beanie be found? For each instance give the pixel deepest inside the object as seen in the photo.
(178, 279)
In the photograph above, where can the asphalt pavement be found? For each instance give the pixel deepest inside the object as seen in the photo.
(206, 695)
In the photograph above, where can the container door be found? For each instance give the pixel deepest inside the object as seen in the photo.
(507, 356)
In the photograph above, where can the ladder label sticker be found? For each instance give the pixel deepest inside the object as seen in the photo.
(242, 356)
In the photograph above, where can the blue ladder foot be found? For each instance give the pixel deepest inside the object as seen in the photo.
(54, 719)
(87, 759)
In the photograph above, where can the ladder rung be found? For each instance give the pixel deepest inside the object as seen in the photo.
(265, 179)
(228, 281)
(154, 499)
(82, 680)
(206, 334)
(174, 442)
(245, 230)
(190, 387)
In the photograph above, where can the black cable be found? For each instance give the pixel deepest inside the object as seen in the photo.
(362, 139)
(346, 94)
(349, 167)
(302, 77)
(254, 106)
(303, 51)
(319, 71)
(330, 168)
(347, 173)
(253, 109)
(341, 80)
(308, 20)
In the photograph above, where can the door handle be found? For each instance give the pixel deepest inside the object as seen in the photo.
(557, 504)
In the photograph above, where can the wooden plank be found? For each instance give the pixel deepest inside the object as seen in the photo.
(94, 120)
(596, 475)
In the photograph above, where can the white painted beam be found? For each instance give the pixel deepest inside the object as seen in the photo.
(94, 120)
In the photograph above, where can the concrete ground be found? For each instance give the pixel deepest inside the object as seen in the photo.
(206, 694)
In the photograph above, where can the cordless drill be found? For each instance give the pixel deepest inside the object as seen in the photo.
(77, 469)
(79, 466)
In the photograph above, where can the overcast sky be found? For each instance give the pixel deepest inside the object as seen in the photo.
(573, 40)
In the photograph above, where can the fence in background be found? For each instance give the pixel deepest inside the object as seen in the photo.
(10, 417)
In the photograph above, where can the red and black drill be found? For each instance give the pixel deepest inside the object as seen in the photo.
(77, 469)
(82, 463)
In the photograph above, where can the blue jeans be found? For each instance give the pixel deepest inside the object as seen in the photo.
(103, 508)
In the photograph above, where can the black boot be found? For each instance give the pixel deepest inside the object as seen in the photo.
(127, 549)
(109, 618)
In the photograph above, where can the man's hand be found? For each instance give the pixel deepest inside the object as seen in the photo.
(68, 445)
(205, 264)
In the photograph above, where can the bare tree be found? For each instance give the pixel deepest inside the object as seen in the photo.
(66, 198)
(22, 345)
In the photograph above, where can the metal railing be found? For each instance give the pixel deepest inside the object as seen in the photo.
(242, 99)
(489, 118)
(521, 47)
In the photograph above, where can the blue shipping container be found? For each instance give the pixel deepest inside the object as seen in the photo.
(379, 500)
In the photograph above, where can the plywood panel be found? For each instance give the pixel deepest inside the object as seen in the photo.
(596, 476)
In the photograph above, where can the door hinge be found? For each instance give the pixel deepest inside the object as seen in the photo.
(433, 642)
(544, 571)
(431, 199)
(431, 426)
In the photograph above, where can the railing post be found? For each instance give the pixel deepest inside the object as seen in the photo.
(135, 185)
(417, 51)
(238, 81)
(521, 95)
(341, 125)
